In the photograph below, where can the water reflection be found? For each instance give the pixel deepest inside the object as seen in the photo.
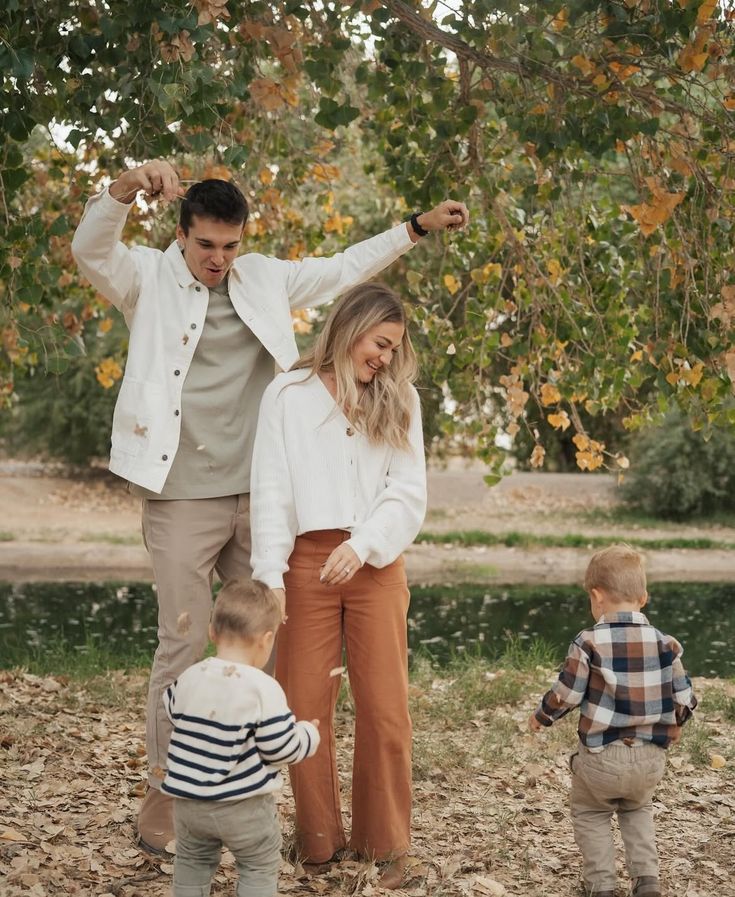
(443, 620)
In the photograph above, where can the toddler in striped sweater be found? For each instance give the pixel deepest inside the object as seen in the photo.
(233, 732)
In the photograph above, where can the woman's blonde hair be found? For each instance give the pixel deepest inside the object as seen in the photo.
(383, 411)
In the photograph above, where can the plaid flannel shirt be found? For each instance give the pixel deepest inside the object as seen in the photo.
(628, 681)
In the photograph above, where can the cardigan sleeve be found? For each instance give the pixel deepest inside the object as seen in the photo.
(396, 516)
(105, 261)
(314, 281)
(273, 520)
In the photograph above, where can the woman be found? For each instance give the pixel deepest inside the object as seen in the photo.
(338, 492)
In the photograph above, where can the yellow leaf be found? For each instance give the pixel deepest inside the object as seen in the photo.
(637, 355)
(550, 395)
(559, 421)
(555, 270)
(672, 377)
(601, 81)
(586, 66)
(451, 283)
(559, 22)
(265, 176)
(622, 462)
(105, 325)
(582, 441)
(537, 456)
(729, 103)
(506, 340)
(705, 11)
(717, 761)
(324, 173)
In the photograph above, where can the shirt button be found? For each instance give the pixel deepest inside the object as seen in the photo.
(177, 412)
(164, 457)
(177, 372)
(193, 326)
(198, 289)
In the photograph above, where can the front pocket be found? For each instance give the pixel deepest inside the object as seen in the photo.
(299, 574)
(392, 575)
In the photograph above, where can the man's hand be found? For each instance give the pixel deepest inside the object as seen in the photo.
(158, 179)
(533, 724)
(448, 215)
(340, 566)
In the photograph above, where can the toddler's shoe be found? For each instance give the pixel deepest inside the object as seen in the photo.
(156, 822)
(646, 886)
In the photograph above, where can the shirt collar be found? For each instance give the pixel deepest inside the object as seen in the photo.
(624, 616)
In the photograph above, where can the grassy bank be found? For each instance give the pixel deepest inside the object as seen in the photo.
(515, 539)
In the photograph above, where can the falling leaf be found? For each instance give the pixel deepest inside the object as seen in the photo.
(183, 623)
(337, 671)
(200, 448)
(230, 670)
(451, 349)
(140, 430)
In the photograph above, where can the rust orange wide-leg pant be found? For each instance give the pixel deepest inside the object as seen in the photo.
(368, 616)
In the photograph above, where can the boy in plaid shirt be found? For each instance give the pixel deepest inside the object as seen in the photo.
(628, 681)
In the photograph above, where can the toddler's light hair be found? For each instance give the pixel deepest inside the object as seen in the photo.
(245, 609)
(618, 572)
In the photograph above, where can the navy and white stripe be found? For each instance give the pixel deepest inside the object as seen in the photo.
(233, 731)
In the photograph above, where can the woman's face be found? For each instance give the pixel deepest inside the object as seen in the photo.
(375, 349)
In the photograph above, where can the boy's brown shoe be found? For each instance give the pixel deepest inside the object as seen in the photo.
(646, 886)
(156, 822)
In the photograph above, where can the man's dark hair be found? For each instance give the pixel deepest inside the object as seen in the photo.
(216, 199)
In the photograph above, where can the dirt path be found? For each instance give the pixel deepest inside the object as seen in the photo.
(58, 528)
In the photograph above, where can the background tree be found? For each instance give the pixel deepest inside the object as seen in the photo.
(592, 139)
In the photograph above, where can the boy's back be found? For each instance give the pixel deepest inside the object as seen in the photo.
(627, 679)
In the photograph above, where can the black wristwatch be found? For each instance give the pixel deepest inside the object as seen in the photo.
(414, 219)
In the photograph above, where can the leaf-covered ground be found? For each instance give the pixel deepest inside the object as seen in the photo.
(490, 800)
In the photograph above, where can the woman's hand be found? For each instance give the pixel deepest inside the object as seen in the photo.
(340, 566)
(281, 595)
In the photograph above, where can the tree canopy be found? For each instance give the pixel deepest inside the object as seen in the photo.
(592, 140)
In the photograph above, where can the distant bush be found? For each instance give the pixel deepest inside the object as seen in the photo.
(66, 416)
(676, 473)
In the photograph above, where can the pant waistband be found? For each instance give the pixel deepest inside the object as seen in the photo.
(326, 535)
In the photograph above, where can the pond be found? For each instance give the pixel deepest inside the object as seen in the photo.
(118, 620)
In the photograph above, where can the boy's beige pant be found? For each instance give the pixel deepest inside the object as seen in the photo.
(187, 540)
(620, 779)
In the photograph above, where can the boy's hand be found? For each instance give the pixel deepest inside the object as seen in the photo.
(314, 722)
(281, 595)
(676, 736)
(533, 724)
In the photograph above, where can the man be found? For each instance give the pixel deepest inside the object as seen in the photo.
(207, 328)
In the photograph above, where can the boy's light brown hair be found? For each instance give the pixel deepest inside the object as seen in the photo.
(618, 572)
(245, 609)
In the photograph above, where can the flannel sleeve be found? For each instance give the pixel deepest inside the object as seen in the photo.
(569, 689)
(684, 697)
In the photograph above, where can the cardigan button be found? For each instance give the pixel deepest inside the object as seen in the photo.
(177, 372)
(193, 326)
(164, 457)
(177, 412)
(198, 289)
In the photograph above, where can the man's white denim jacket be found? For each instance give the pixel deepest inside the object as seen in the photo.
(165, 306)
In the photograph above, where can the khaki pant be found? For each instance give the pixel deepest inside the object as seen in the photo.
(368, 615)
(249, 828)
(620, 779)
(187, 541)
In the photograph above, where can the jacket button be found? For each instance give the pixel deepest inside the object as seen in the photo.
(164, 457)
(177, 372)
(177, 412)
(193, 326)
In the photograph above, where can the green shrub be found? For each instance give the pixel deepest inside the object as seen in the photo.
(66, 416)
(677, 473)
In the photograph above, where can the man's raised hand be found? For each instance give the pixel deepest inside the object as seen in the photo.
(158, 180)
(448, 215)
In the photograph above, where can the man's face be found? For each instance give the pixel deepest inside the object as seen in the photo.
(210, 248)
